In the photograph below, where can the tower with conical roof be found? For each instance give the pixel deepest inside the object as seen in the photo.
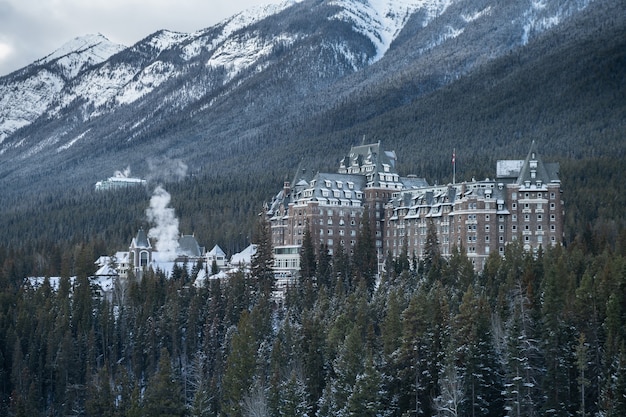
(140, 251)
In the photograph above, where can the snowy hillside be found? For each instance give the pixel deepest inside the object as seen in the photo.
(229, 84)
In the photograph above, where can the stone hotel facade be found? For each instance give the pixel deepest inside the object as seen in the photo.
(523, 203)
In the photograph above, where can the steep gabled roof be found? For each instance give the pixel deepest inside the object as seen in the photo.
(141, 240)
(188, 245)
(216, 252)
(533, 169)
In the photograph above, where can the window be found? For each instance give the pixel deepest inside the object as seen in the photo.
(514, 206)
(501, 239)
(486, 238)
(514, 228)
(514, 196)
(552, 217)
(486, 228)
(539, 227)
(552, 206)
(501, 228)
(552, 228)
(539, 217)
(514, 217)
(552, 196)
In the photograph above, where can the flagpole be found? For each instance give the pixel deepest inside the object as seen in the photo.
(453, 166)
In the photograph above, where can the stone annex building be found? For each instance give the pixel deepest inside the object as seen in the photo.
(522, 203)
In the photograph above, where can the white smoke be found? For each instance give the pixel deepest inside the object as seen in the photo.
(122, 174)
(167, 170)
(165, 231)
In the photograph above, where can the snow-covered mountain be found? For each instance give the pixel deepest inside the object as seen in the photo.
(192, 95)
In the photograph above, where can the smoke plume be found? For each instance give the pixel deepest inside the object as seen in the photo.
(165, 231)
(122, 174)
(165, 169)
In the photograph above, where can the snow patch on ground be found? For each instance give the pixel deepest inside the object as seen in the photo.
(81, 52)
(240, 53)
(72, 142)
(468, 18)
(382, 20)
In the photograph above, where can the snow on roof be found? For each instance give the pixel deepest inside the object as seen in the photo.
(202, 278)
(105, 271)
(509, 168)
(244, 257)
(216, 251)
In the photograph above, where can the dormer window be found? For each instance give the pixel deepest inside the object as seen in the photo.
(339, 184)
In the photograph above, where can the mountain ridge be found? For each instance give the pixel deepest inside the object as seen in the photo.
(301, 66)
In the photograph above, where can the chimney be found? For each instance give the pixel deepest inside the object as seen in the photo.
(286, 189)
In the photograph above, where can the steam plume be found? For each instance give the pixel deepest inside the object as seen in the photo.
(165, 169)
(122, 174)
(165, 231)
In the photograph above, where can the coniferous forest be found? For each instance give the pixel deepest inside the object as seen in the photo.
(530, 335)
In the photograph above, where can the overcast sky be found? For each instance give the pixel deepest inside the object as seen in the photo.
(32, 29)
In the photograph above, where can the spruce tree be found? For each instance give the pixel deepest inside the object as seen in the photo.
(240, 367)
(365, 259)
(163, 396)
(262, 268)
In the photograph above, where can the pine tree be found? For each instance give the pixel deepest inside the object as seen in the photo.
(364, 261)
(163, 396)
(477, 358)
(240, 367)
(559, 341)
(293, 398)
(262, 268)
(324, 269)
(367, 395)
(432, 260)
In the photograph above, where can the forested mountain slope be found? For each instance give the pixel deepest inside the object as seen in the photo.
(565, 89)
(257, 83)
